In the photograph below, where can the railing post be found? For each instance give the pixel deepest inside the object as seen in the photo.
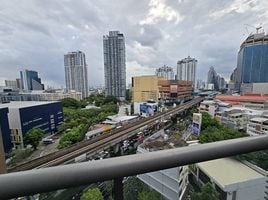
(118, 189)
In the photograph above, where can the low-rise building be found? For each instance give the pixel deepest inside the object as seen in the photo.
(256, 88)
(231, 179)
(257, 126)
(25, 115)
(171, 183)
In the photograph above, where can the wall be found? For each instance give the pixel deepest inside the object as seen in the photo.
(4, 126)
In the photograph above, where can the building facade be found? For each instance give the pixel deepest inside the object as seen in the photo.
(4, 129)
(23, 116)
(257, 126)
(115, 64)
(252, 60)
(171, 183)
(30, 80)
(12, 84)
(156, 88)
(186, 70)
(76, 77)
(231, 179)
(166, 72)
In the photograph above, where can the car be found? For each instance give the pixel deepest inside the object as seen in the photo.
(47, 141)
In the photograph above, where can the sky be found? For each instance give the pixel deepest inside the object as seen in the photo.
(35, 34)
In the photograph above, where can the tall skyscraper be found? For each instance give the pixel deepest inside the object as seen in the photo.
(76, 72)
(213, 78)
(252, 60)
(115, 64)
(30, 80)
(166, 72)
(186, 69)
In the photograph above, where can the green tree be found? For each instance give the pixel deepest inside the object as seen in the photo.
(33, 137)
(149, 195)
(92, 194)
(208, 192)
(259, 158)
(70, 103)
(207, 121)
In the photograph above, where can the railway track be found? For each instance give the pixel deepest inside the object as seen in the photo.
(64, 155)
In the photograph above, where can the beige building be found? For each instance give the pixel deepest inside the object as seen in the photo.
(145, 88)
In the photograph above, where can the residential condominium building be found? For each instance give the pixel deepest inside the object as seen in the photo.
(115, 64)
(186, 70)
(12, 84)
(25, 115)
(30, 80)
(166, 72)
(232, 179)
(171, 183)
(76, 72)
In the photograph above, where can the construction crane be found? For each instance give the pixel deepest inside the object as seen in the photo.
(257, 27)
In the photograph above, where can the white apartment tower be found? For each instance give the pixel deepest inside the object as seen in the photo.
(186, 69)
(114, 64)
(76, 72)
(166, 72)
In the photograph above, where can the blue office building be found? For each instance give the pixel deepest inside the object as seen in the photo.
(4, 129)
(252, 61)
(25, 115)
(30, 80)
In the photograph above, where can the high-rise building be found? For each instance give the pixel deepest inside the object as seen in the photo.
(114, 64)
(252, 61)
(30, 80)
(166, 72)
(76, 72)
(186, 69)
(212, 78)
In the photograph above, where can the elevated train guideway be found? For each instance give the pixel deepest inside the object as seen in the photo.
(101, 142)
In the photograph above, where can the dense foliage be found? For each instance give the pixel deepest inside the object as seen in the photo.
(33, 137)
(92, 194)
(213, 131)
(79, 120)
(259, 158)
(208, 192)
(135, 189)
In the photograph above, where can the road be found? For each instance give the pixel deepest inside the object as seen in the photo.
(103, 142)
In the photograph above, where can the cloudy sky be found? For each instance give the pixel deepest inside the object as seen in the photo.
(35, 34)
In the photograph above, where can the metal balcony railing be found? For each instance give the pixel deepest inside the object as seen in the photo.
(65, 176)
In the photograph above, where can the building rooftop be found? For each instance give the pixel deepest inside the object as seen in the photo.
(25, 104)
(228, 98)
(259, 119)
(227, 171)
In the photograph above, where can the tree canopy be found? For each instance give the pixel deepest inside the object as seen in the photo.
(208, 192)
(92, 194)
(70, 103)
(33, 137)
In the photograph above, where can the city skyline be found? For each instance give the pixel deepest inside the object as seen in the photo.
(157, 33)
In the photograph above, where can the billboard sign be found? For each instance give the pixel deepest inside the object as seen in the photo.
(197, 121)
(148, 109)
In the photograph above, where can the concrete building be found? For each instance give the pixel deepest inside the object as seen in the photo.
(171, 183)
(24, 116)
(145, 88)
(255, 88)
(30, 80)
(248, 101)
(4, 129)
(212, 78)
(115, 64)
(76, 77)
(56, 95)
(12, 84)
(186, 70)
(252, 60)
(152, 87)
(231, 178)
(166, 72)
(257, 126)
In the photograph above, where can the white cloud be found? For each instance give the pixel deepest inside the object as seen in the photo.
(158, 11)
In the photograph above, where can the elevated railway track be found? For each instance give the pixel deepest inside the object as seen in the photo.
(101, 142)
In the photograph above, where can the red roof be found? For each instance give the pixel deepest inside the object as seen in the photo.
(228, 98)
